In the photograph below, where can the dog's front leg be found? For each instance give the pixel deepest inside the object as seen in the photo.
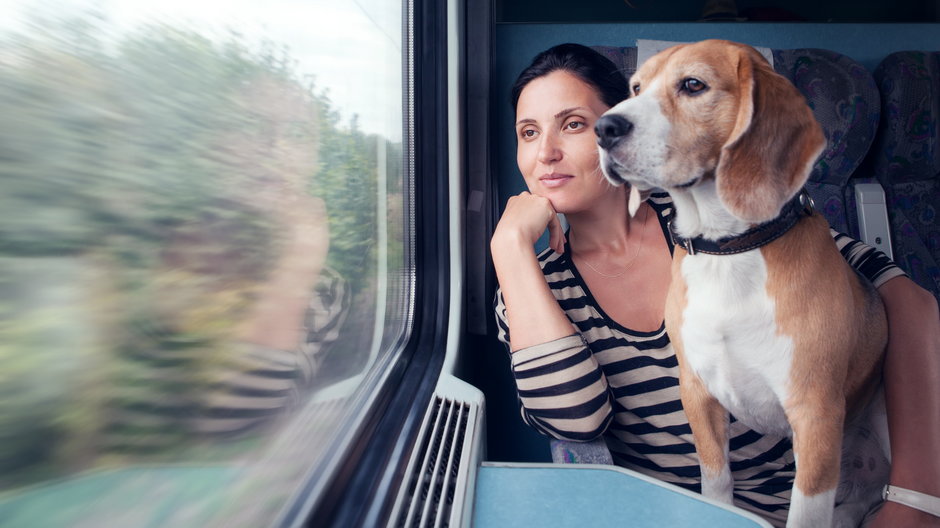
(817, 445)
(707, 417)
(709, 421)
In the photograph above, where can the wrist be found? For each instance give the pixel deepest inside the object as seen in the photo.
(923, 481)
(917, 500)
(893, 514)
(511, 242)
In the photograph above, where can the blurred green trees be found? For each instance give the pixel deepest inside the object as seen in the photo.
(139, 183)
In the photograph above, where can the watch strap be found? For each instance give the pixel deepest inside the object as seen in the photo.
(913, 499)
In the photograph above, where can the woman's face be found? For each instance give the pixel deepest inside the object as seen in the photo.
(556, 146)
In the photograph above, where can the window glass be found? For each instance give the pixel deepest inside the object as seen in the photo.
(205, 256)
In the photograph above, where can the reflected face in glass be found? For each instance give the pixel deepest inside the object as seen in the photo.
(556, 147)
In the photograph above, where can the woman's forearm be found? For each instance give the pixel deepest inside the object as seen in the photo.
(545, 354)
(533, 314)
(912, 376)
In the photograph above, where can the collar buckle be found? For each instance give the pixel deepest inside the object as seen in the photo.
(684, 243)
(806, 201)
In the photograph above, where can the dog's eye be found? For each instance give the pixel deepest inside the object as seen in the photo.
(636, 89)
(693, 85)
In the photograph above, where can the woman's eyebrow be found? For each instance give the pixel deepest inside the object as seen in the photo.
(567, 111)
(559, 115)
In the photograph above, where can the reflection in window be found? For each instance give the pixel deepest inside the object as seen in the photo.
(203, 252)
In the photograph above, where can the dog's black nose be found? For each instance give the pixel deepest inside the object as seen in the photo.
(610, 129)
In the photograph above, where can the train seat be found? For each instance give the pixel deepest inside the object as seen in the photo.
(905, 160)
(845, 101)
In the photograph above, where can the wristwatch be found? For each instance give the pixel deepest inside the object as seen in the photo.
(914, 499)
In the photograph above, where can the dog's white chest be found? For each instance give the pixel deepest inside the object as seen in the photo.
(731, 341)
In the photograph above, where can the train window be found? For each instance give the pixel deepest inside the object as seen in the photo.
(205, 252)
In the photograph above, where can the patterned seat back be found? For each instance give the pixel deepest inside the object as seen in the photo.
(906, 160)
(844, 99)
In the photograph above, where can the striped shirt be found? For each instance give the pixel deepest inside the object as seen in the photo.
(628, 382)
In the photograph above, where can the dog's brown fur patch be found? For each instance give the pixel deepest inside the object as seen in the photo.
(776, 139)
(839, 335)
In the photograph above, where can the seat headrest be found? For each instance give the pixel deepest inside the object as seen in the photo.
(845, 101)
(908, 147)
(622, 57)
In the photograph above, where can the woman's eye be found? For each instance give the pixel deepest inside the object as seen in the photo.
(575, 125)
(528, 133)
(693, 85)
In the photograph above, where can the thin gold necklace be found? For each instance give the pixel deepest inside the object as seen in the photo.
(636, 253)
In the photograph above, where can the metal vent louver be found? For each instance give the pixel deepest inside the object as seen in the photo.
(438, 485)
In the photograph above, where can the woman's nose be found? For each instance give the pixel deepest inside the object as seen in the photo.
(548, 149)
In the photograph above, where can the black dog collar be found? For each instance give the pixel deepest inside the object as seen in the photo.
(754, 237)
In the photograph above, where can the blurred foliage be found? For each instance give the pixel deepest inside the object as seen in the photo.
(346, 182)
(141, 178)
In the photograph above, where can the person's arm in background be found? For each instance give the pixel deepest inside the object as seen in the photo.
(911, 381)
(562, 392)
(912, 398)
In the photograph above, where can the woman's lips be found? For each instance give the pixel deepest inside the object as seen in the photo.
(555, 180)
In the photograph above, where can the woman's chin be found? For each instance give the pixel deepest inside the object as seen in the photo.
(564, 205)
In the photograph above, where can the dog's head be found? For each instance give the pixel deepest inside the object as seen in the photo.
(714, 109)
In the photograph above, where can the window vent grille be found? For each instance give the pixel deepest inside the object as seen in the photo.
(438, 484)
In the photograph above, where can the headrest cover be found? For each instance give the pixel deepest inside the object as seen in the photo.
(623, 57)
(909, 144)
(845, 101)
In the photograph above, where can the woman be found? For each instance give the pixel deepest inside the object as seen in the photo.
(584, 319)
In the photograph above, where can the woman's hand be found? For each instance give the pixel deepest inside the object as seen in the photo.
(525, 219)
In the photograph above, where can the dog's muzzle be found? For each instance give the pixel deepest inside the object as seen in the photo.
(610, 129)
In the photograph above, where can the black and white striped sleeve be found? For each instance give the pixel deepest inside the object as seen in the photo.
(870, 262)
(562, 390)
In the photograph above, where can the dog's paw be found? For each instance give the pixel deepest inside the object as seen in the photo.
(719, 487)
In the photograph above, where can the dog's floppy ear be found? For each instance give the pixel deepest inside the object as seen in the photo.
(771, 150)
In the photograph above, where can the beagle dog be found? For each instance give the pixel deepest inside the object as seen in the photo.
(767, 319)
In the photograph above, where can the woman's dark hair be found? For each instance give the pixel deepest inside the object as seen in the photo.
(581, 61)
